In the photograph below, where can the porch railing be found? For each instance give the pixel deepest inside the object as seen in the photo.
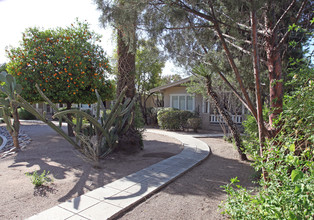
(218, 119)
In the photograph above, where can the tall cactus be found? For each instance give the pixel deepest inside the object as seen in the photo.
(100, 138)
(8, 106)
(95, 141)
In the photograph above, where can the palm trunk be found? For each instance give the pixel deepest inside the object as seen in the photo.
(131, 140)
(227, 118)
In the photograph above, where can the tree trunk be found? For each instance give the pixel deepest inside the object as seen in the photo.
(275, 84)
(227, 118)
(131, 141)
(259, 104)
(70, 129)
(273, 65)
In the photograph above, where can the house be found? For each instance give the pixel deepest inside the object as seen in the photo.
(44, 107)
(176, 96)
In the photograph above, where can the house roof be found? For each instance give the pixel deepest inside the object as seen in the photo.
(176, 83)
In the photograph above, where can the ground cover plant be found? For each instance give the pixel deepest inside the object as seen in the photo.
(39, 179)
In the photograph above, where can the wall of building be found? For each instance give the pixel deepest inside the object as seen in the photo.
(172, 90)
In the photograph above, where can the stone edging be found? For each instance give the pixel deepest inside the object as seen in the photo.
(4, 141)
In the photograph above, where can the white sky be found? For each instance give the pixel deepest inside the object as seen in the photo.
(17, 15)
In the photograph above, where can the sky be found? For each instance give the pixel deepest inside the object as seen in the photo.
(17, 15)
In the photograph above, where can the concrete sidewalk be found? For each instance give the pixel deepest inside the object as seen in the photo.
(114, 198)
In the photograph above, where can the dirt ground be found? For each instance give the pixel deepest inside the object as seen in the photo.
(197, 194)
(72, 176)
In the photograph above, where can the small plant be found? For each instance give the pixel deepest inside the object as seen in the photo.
(39, 180)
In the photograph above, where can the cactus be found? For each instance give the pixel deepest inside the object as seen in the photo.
(94, 141)
(8, 107)
(100, 138)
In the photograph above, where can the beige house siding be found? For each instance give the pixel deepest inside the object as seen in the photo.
(173, 90)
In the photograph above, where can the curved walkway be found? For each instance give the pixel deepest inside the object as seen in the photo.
(114, 198)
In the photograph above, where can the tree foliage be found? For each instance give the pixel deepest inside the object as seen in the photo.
(149, 64)
(166, 79)
(250, 36)
(194, 32)
(66, 63)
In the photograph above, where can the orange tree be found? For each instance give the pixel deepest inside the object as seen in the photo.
(66, 63)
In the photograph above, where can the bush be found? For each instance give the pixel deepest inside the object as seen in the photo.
(172, 119)
(194, 123)
(152, 114)
(25, 115)
(288, 160)
(250, 138)
(162, 110)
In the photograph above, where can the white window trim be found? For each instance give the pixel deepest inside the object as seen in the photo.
(185, 95)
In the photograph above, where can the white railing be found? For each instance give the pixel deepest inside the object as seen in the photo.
(218, 119)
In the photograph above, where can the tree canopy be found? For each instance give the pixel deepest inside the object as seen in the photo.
(66, 63)
(149, 64)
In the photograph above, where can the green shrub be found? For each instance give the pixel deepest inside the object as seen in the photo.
(163, 109)
(172, 119)
(288, 160)
(152, 114)
(250, 138)
(25, 115)
(194, 123)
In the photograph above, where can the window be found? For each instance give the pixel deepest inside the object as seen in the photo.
(190, 103)
(206, 106)
(182, 102)
(175, 102)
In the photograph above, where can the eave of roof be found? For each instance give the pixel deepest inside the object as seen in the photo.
(176, 83)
